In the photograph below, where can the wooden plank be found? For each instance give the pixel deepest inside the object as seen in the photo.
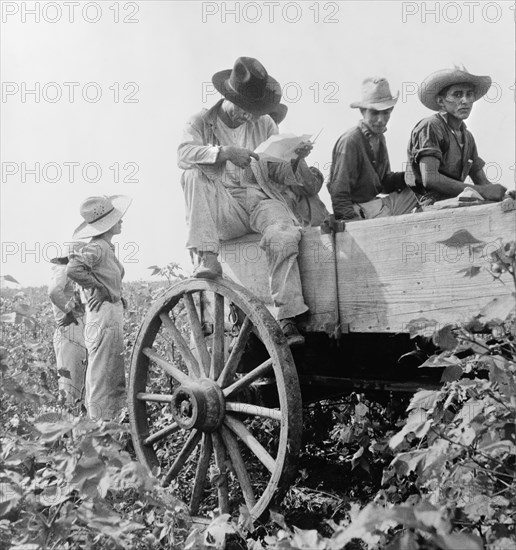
(394, 270)
(245, 262)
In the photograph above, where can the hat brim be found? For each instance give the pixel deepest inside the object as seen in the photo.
(382, 105)
(264, 106)
(438, 81)
(120, 205)
(279, 113)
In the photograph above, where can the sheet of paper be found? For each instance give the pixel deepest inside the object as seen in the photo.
(281, 146)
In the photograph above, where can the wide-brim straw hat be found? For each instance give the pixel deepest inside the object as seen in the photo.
(100, 214)
(376, 94)
(249, 86)
(438, 81)
(64, 251)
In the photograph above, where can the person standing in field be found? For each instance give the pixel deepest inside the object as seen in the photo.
(69, 345)
(98, 271)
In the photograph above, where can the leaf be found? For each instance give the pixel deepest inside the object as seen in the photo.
(53, 431)
(452, 373)
(498, 308)
(10, 496)
(445, 339)
(422, 327)
(424, 399)
(9, 279)
(470, 271)
(458, 541)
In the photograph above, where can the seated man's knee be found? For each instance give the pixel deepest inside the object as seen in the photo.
(281, 239)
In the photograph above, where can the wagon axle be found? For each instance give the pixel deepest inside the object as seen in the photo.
(200, 405)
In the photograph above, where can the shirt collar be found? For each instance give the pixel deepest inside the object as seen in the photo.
(444, 116)
(368, 133)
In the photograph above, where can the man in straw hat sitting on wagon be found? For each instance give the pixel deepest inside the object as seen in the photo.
(360, 162)
(229, 192)
(98, 271)
(442, 151)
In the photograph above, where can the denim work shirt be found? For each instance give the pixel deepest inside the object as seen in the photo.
(433, 137)
(357, 174)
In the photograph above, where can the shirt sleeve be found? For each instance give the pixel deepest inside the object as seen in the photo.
(344, 174)
(478, 163)
(82, 263)
(303, 182)
(193, 150)
(427, 141)
(56, 288)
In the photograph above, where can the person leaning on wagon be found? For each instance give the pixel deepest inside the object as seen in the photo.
(69, 345)
(226, 197)
(360, 162)
(97, 270)
(442, 151)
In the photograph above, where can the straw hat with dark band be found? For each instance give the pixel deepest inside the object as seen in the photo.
(101, 214)
(438, 81)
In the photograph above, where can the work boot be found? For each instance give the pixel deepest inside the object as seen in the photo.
(209, 266)
(289, 328)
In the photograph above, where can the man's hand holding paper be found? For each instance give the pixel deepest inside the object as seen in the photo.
(285, 147)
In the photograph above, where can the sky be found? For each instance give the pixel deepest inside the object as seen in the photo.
(95, 95)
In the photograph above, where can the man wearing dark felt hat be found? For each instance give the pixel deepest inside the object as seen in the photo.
(230, 192)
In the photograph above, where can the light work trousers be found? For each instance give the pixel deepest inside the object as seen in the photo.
(216, 213)
(393, 204)
(71, 358)
(105, 376)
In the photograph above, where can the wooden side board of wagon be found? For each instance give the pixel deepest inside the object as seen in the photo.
(377, 276)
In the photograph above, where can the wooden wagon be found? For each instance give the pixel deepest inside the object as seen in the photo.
(215, 393)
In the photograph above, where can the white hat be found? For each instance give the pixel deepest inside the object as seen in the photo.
(101, 214)
(376, 94)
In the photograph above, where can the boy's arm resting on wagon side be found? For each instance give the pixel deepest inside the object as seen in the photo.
(433, 180)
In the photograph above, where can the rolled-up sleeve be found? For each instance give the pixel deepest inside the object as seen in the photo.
(344, 173)
(192, 150)
(426, 141)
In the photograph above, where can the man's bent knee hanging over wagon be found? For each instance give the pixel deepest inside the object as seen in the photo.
(229, 192)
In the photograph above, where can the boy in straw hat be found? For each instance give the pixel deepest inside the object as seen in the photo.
(227, 196)
(442, 151)
(360, 162)
(97, 270)
(69, 345)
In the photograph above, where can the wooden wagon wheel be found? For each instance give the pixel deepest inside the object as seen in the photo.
(193, 418)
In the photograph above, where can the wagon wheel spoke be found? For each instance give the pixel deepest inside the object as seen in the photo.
(217, 354)
(158, 436)
(182, 457)
(247, 379)
(197, 333)
(254, 410)
(155, 397)
(251, 442)
(201, 473)
(172, 371)
(238, 464)
(233, 362)
(222, 480)
(182, 346)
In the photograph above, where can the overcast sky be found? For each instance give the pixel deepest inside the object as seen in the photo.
(97, 93)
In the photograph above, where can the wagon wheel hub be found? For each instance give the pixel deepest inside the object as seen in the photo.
(198, 405)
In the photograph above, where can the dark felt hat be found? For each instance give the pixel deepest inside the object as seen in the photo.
(249, 86)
